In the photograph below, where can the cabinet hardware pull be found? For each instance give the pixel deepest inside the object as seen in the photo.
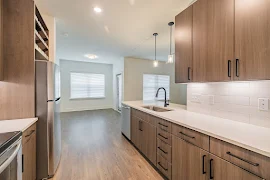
(203, 168)
(30, 133)
(189, 73)
(237, 67)
(229, 68)
(140, 125)
(249, 162)
(162, 125)
(192, 137)
(162, 136)
(162, 166)
(162, 150)
(211, 166)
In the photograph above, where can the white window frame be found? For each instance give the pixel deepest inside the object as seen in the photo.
(78, 98)
(156, 88)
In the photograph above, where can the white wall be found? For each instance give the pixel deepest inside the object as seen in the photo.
(118, 68)
(133, 79)
(232, 100)
(85, 104)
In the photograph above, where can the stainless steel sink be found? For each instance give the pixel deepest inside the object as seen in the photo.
(157, 109)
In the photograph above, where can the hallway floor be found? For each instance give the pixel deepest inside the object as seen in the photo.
(93, 148)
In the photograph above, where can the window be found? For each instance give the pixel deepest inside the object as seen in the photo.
(151, 83)
(86, 85)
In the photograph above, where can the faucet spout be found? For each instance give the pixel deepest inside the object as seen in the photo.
(165, 100)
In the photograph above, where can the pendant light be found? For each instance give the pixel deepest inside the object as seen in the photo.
(155, 62)
(170, 57)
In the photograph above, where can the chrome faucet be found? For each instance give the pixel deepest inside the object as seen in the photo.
(165, 103)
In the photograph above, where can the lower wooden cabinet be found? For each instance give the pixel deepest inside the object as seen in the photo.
(223, 170)
(143, 136)
(188, 161)
(29, 154)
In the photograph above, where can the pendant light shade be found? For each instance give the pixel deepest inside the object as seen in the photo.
(170, 56)
(155, 62)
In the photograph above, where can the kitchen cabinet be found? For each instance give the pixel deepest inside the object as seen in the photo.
(223, 170)
(143, 136)
(188, 161)
(213, 40)
(183, 46)
(29, 154)
(252, 44)
(1, 41)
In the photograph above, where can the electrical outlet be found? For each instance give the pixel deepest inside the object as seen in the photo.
(196, 98)
(263, 104)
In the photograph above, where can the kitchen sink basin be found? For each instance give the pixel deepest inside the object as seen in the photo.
(157, 109)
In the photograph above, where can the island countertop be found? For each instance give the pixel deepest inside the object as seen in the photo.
(16, 124)
(248, 136)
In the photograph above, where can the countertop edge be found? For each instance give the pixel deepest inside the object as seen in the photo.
(30, 124)
(236, 143)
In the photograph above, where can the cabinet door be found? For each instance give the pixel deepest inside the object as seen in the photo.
(29, 158)
(135, 131)
(183, 46)
(213, 40)
(223, 170)
(188, 161)
(252, 44)
(148, 139)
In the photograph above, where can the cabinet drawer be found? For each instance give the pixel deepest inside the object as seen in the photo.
(164, 136)
(248, 160)
(194, 137)
(164, 166)
(30, 132)
(164, 125)
(164, 150)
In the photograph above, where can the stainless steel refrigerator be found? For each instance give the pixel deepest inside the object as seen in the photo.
(48, 113)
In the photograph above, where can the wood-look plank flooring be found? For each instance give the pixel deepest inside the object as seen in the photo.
(93, 148)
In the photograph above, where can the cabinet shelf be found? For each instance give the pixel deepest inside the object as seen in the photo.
(40, 28)
(40, 54)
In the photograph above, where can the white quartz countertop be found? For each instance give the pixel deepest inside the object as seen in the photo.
(16, 124)
(247, 136)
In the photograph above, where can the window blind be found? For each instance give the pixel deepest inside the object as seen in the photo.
(151, 83)
(86, 85)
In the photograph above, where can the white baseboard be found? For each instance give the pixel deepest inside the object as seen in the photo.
(85, 109)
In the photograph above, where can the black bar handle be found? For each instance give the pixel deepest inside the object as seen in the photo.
(192, 137)
(162, 125)
(249, 162)
(203, 168)
(162, 136)
(140, 125)
(22, 163)
(237, 67)
(30, 133)
(189, 73)
(162, 150)
(211, 166)
(58, 99)
(162, 166)
(229, 68)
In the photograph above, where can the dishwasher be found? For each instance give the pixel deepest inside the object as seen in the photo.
(125, 114)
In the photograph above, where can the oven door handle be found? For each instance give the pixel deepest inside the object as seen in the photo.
(11, 158)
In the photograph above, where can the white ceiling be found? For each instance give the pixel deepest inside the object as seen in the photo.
(124, 28)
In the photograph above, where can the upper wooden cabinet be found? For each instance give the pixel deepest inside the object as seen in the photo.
(252, 44)
(183, 46)
(229, 41)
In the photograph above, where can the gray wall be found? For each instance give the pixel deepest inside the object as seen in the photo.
(85, 104)
(133, 79)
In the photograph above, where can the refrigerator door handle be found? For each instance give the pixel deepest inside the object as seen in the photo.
(58, 99)
(50, 100)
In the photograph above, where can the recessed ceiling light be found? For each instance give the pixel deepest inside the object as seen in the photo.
(91, 56)
(97, 9)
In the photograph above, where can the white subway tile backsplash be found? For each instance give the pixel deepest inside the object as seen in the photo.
(236, 101)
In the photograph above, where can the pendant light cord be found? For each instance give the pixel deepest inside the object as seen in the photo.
(155, 47)
(171, 41)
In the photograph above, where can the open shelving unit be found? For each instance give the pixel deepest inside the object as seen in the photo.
(41, 37)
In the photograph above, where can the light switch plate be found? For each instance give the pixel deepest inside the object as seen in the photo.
(196, 98)
(263, 104)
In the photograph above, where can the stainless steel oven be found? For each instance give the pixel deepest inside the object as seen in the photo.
(11, 158)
